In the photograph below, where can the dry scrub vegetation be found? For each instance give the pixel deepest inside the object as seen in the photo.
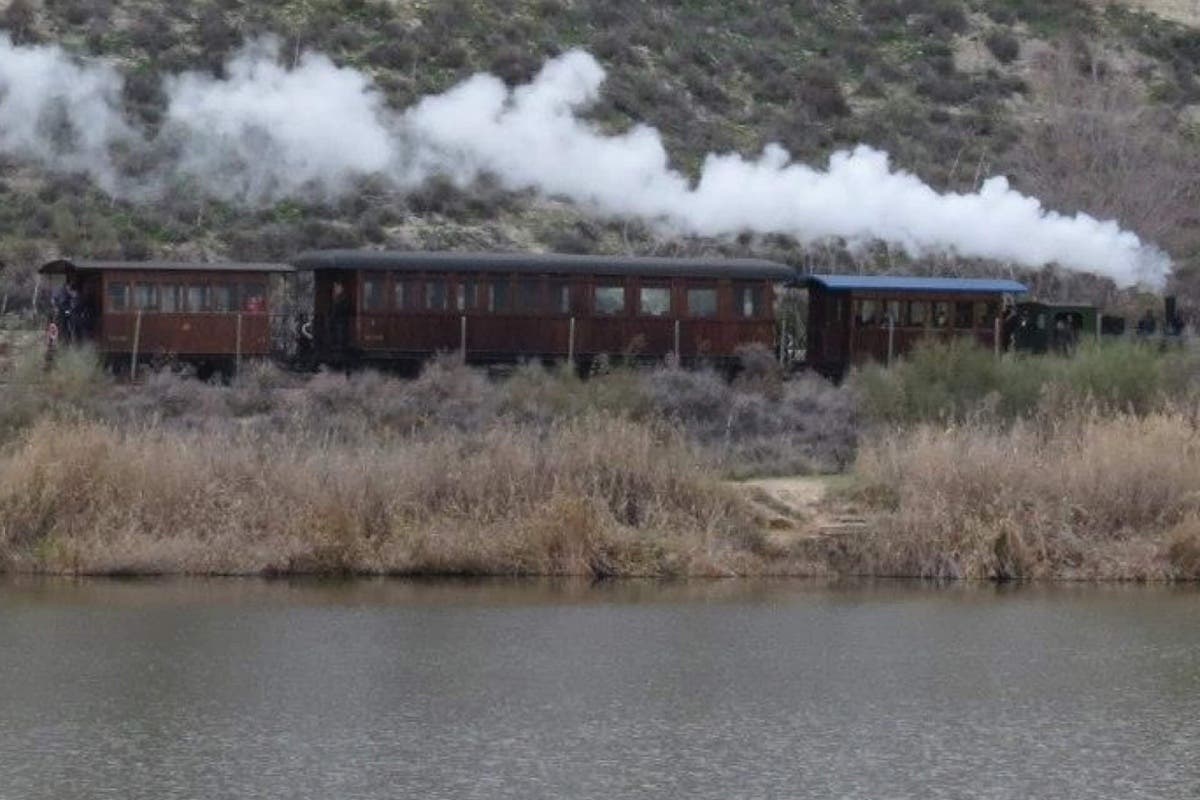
(1109, 496)
(964, 466)
(595, 496)
(539, 473)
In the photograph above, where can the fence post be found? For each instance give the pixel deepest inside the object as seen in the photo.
(237, 348)
(677, 354)
(996, 336)
(37, 285)
(571, 341)
(137, 337)
(891, 339)
(462, 337)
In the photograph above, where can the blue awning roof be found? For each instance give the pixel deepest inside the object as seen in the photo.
(898, 283)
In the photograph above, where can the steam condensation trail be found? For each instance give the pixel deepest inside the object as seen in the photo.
(266, 132)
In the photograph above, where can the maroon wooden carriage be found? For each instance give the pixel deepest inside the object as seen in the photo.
(493, 307)
(853, 319)
(157, 309)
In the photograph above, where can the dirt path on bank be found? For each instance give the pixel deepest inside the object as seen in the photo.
(801, 509)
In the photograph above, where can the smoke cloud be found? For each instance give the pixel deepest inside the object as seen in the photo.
(265, 132)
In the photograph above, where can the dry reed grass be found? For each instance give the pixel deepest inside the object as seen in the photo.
(596, 496)
(1090, 496)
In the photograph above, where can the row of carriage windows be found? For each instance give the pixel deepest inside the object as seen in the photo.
(172, 298)
(555, 297)
(925, 314)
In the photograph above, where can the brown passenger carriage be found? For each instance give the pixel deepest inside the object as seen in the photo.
(139, 310)
(853, 319)
(495, 307)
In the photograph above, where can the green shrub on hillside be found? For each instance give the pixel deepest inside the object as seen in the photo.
(951, 382)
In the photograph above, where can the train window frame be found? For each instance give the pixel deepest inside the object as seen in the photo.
(663, 292)
(170, 290)
(407, 294)
(527, 295)
(437, 294)
(147, 302)
(110, 292)
(247, 291)
(499, 302)
(559, 296)
(757, 297)
(986, 313)
(696, 291)
(195, 308)
(866, 312)
(466, 293)
(231, 304)
(940, 315)
(612, 289)
(911, 319)
(959, 307)
(892, 313)
(373, 294)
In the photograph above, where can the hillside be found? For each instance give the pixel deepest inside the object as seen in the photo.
(1089, 106)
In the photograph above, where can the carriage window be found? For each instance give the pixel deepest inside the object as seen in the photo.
(610, 299)
(168, 298)
(196, 298)
(436, 296)
(964, 316)
(560, 297)
(867, 313)
(918, 313)
(891, 314)
(221, 298)
(941, 315)
(118, 297)
(986, 314)
(465, 295)
(702, 302)
(499, 295)
(145, 297)
(655, 301)
(374, 294)
(406, 295)
(254, 298)
(750, 301)
(528, 294)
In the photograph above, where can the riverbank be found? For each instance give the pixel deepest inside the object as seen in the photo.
(657, 473)
(597, 496)
(1111, 498)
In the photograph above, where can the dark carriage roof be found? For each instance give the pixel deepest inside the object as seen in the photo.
(61, 265)
(896, 283)
(539, 263)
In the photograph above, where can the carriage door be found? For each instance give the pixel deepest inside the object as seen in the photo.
(837, 328)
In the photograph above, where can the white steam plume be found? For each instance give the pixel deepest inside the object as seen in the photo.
(59, 112)
(266, 132)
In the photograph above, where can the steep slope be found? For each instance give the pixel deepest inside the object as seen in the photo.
(1090, 106)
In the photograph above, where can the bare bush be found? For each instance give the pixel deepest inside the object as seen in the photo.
(1093, 496)
(1092, 142)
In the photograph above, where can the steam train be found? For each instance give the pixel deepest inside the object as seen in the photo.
(397, 309)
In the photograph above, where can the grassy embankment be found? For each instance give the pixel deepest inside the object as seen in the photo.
(965, 467)
(1029, 468)
(450, 474)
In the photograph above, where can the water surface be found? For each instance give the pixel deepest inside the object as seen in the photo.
(247, 689)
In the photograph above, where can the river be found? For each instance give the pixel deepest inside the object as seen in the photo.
(725, 689)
